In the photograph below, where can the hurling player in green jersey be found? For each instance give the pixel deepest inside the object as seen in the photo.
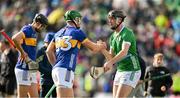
(123, 54)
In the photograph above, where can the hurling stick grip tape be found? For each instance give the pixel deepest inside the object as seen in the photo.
(96, 72)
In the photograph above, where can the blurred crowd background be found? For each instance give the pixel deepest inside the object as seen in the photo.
(156, 24)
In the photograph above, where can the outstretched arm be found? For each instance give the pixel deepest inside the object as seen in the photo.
(95, 47)
(108, 54)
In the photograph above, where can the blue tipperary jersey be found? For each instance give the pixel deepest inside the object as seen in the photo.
(29, 43)
(67, 43)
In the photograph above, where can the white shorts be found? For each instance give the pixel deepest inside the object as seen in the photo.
(62, 77)
(130, 78)
(24, 77)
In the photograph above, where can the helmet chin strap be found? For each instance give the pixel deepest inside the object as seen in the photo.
(114, 28)
(75, 24)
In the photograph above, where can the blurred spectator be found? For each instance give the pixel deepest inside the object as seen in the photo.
(45, 68)
(161, 21)
(7, 62)
(142, 15)
(1, 25)
(55, 16)
(175, 86)
(158, 87)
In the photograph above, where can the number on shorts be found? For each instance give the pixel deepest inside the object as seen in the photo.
(68, 76)
(25, 76)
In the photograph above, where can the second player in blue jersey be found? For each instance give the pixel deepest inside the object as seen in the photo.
(63, 50)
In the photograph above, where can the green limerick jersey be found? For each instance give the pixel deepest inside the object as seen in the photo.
(130, 62)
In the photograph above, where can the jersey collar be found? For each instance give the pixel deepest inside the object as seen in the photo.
(69, 26)
(117, 33)
(121, 28)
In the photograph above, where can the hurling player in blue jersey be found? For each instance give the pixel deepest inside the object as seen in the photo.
(45, 68)
(63, 50)
(26, 42)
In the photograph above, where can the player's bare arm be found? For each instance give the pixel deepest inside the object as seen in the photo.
(107, 54)
(95, 47)
(50, 53)
(17, 38)
(119, 56)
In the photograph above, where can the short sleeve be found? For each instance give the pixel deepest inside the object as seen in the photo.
(80, 35)
(53, 39)
(110, 40)
(26, 31)
(128, 37)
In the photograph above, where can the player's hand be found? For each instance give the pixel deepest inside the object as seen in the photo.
(102, 44)
(108, 65)
(163, 88)
(33, 66)
(27, 60)
(23, 55)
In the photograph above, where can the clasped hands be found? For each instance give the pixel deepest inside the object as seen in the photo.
(102, 45)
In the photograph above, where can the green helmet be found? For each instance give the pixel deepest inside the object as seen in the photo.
(71, 15)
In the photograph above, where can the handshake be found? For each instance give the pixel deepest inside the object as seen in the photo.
(33, 66)
(102, 45)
